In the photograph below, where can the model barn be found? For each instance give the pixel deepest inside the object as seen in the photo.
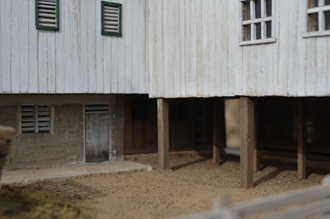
(91, 80)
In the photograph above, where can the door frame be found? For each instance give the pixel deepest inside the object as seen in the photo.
(84, 130)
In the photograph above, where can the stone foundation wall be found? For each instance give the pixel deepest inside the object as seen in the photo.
(65, 146)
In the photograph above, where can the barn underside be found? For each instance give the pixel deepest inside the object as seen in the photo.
(281, 126)
(55, 130)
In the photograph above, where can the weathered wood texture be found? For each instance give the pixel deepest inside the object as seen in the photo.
(301, 139)
(97, 137)
(256, 148)
(247, 142)
(77, 58)
(219, 128)
(163, 133)
(194, 51)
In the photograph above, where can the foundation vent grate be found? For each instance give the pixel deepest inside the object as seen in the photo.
(97, 109)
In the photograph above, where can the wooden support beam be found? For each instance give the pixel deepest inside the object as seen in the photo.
(219, 128)
(247, 142)
(128, 123)
(256, 154)
(301, 139)
(163, 133)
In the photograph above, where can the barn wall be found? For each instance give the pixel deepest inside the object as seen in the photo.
(65, 145)
(194, 51)
(77, 58)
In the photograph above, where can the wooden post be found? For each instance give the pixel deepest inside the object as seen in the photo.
(163, 134)
(128, 122)
(219, 128)
(247, 142)
(256, 156)
(301, 139)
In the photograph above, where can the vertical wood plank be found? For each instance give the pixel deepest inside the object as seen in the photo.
(301, 139)
(100, 50)
(122, 54)
(32, 73)
(176, 44)
(128, 28)
(144, 80)
(219, 128)
(136, 43)
(188, 47)
(61, 60)
(141, 43)
(5, 46)
(247, 142)
(152, 48)
(160, 50)
(205, 11)
(212, 57)
(163, 133)
(93, 30)
(218, 77)
(128, 122)
(199, 47)
(85, 34)
(167, 30)
(16, 12)
(46, 62)
(23, 46)
(193, 20)
(182, 49)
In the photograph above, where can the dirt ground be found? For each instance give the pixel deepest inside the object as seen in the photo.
(190, 186)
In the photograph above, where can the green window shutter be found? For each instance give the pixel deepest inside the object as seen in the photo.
(47, 14)
(111, 19)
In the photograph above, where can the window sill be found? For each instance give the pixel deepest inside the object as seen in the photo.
(316, 34)
(256, 42)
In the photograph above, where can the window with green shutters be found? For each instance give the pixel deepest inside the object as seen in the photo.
(47, 14)
(111, 19)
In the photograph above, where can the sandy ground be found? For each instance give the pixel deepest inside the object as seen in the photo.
(190, 186)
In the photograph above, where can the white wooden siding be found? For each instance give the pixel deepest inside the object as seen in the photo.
(199, 53)
(76, 59)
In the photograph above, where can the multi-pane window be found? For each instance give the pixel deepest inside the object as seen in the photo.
(35, 119)
(318, 20)
(111, 18)
(258, 25)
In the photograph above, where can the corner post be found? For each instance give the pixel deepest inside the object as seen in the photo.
(163, 133)
(247, 142)
(219, 128)
(301, 139)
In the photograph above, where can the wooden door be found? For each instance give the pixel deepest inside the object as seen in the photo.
(97, 137)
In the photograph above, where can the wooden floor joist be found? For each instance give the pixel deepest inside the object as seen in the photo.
(301, 139)
(163, 133)
(219, 128)
(247, 141)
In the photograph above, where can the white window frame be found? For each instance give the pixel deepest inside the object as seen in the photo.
(320, 10)
(253, 21)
